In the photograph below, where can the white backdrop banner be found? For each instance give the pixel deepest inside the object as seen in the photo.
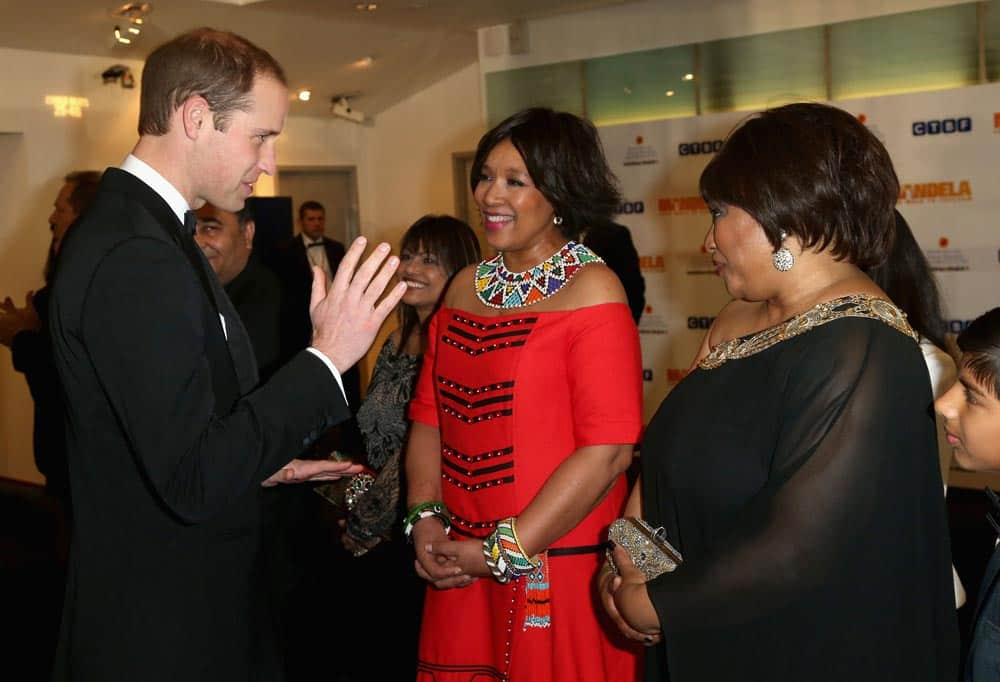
(946, 149)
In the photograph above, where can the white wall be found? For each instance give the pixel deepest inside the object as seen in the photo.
(655, 24)
(403, 162)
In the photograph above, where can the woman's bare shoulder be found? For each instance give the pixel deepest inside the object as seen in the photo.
(595, 284)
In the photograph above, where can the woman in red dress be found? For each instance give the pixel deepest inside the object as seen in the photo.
(526, 412)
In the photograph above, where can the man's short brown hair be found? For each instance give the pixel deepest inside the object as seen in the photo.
(218, 65)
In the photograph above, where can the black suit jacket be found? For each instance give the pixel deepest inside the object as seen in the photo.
(167, 442)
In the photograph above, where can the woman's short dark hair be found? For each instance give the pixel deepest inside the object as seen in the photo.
(565, 160)
(813, 171)
(980, 346)
(905, 275)
(451, 241)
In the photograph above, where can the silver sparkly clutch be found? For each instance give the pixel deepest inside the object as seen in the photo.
(647, 546)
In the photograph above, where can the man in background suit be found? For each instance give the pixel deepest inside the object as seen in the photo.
(26, 331)
(169, 434)
(295, 260)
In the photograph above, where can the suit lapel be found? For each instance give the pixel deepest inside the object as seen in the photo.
(242, 361)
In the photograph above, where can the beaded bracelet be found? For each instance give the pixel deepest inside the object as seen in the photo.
(426, 510)
(495, 559)
(504, 554)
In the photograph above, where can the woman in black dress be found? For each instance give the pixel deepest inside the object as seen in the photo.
(795, 467)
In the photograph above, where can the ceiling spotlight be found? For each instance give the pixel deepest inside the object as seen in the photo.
(119, 72)
(366, 6)
(134, 30)
(365, 62)
(688, 77)
(304, 95)
(669, 93)
(120, 39)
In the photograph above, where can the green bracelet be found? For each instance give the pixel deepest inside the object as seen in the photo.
(426, 510)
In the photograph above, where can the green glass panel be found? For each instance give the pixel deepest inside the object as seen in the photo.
(559, 86)
(993, 40)
(925, 50)
(760, 71)
(640, 86)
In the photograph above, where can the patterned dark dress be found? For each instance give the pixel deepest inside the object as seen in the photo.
(383, 424)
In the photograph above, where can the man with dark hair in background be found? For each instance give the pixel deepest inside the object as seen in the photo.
(170, 434)
(226, 239)
(25, 331)
(296, 258)
(35, 589)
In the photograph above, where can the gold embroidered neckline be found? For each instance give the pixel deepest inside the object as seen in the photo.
(855, 305)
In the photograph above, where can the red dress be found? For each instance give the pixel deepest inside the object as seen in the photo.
(513, 397)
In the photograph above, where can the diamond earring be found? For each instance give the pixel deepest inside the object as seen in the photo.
(783, 259)
(557, 219)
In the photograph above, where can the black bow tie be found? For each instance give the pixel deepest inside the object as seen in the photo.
(312, 244)
(190, 222)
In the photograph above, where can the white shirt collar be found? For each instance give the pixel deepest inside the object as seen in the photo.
(307, 241)
(142, 170)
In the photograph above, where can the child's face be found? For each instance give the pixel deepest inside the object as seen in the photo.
(972, 421)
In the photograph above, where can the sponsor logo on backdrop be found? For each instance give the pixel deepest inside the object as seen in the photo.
(958, 326)
(647, 374)
(675, 374)
(631, 208)
(944, 126)
(681, 205)
(976, 259)
(949, 190)
(640, 154)
(652, 322)
(946, 260)
(695, 322)
(652, 263)
(695, 148)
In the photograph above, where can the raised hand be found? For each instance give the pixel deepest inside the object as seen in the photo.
(347, 317)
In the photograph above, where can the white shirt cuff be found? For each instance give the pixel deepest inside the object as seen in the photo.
(333, 370)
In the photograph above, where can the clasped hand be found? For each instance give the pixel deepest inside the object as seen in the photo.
(14, 320)
(443, 562)
(624, 597)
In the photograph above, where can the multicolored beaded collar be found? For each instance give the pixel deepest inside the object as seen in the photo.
(498, 287)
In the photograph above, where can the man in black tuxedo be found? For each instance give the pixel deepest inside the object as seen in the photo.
(296, 259)
(169, 434)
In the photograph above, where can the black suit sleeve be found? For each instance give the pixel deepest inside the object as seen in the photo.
(144, 331)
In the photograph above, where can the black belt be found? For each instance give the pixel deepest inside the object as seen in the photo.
(582, 549)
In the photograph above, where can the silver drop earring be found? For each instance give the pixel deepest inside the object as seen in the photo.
(783, 259)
